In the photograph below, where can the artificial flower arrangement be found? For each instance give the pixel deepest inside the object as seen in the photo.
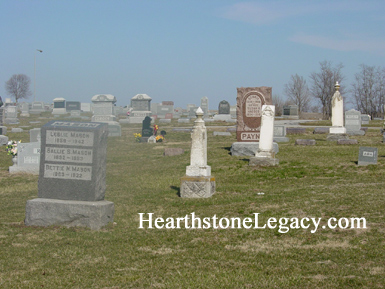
(159, 138)
(137, 137)
(11, 147)
(156, 127)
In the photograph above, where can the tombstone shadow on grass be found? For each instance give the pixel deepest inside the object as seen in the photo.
(177, 189)
(227, 149)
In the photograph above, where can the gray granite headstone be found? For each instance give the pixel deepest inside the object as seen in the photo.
(305, 142)
(365, 119)
(295, 130)
(3, 130)
(321, 130)
(73, 161)
(28, 158)
(3, 140)
(37, 107)
(2, 115)
(280, 134)
(11, 115)
(35, 135)
(224, 107)
(367, 156)
(73, 105)
(353, 122)
(17, 129)
(72, 178)
(221, 133)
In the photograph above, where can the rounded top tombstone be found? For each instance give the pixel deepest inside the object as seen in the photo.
(224, 107)
(142, 97)
(103, 98)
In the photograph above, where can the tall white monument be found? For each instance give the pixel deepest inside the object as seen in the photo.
(198, 182)
(337, 131)
(265, 155)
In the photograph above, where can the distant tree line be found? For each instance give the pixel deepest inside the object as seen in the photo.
(367, 90)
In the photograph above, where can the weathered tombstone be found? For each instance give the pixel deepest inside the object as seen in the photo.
(25, 110)
(290, 111)
(27, 159)
(73, 105)
(183, 120)
(249, 111)
(103, 111)
(2, 116)
(75, 113)
(3, 130)
(221, 133)
(3, 140)
(17, 129)
(347, 142)
(11, 115)
(169, 152)
(147, 130)
(367, 156)
(295, 130)
(198, 182)
(35, 135)
(365, 119)
(265, 155)
(192, 112)
(205, 105)
(103, 108)
(353, 122)
(223, 111)
(182, 129)
(337, 131)
(321, 130)
(72, 178)
(280, 134)
(59, 106)
(141, 107)
(37, 107)
(86, 107)
(305, 142)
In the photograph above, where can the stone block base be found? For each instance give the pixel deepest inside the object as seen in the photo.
(347, 141)
(305, 142)
(197, 187)
(281, 139)
(336, 137)
(47, 212)
(355, 132)
(263, 161)
(248, 148)
(34, 170)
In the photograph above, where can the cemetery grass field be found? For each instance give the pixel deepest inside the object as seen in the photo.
(320, 181)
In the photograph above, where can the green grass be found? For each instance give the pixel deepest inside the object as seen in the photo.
(319, 181)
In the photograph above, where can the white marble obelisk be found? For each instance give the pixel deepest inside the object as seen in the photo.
(265, 156)
(198, 182)
(198, 160)
(337, 131)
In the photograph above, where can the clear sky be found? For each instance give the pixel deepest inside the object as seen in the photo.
(183, 50)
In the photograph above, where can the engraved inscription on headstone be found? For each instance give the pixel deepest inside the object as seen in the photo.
(367, 156)
(249, 111)
(73, 161)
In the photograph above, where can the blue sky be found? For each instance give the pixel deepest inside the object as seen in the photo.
(183, 50)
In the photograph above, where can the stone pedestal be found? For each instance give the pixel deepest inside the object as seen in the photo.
(264, 159)
(48, 212)
(72, 177)
(197, 187)
(198, 182)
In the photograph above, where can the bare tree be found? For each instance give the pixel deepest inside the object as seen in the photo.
(279, 103)
(323, 85)
(298, 92)
(369, 90)
(18, 86)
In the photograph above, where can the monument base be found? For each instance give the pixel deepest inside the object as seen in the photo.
(222, 117)
(264, 159)
(355, 132)
(281, 139)
(197, 187)
(34, 170)
(337, 130)
(47, 212)
(336, 136)
(25, 114)
(248, 148)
